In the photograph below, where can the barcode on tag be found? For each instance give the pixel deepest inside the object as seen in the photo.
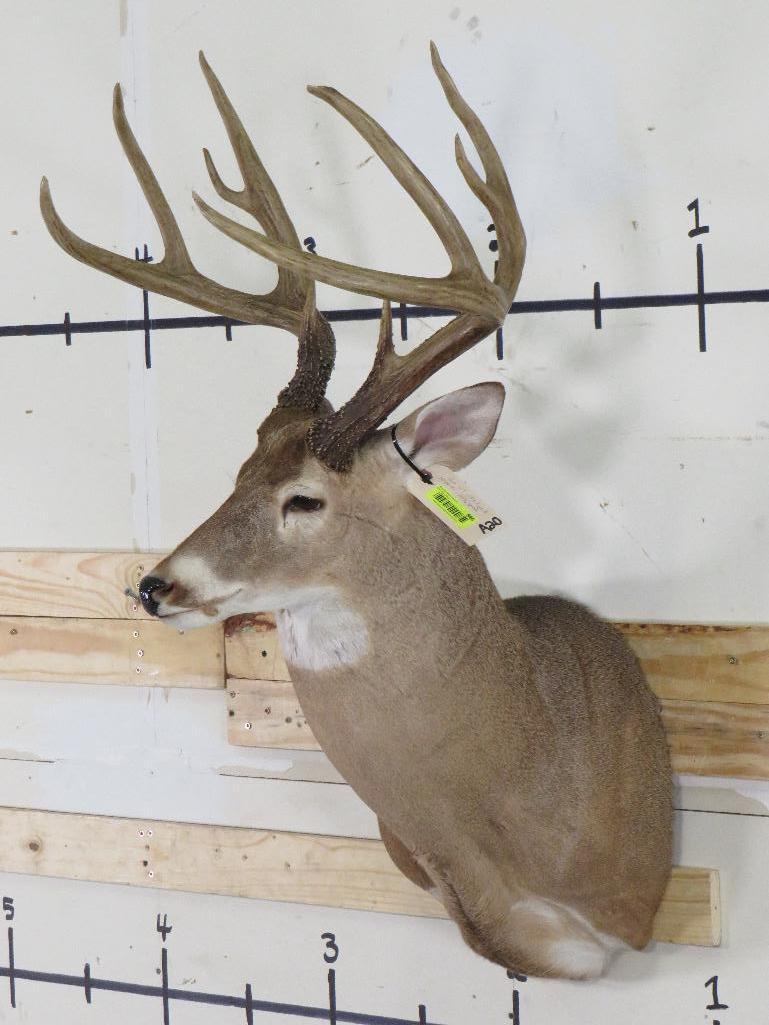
(451, 505)
(449, 498)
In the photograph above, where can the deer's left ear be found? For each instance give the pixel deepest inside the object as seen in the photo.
(453, 430)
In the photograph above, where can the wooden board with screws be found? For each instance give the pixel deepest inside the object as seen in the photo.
(301, 868)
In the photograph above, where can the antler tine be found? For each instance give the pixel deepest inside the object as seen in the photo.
(176, 257)
(495, 193)
(258, 197)
(392, 378)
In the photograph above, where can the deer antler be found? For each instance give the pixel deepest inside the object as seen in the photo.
(482, 304)
(290, 305)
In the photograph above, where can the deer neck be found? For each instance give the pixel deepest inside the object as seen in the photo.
(418, 612)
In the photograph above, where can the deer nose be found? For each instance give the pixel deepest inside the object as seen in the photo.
(150, 589)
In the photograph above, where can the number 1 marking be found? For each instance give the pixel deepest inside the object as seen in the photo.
(698, 229)
(716, 1005)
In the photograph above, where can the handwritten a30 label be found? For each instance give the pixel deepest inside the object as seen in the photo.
(449, 498)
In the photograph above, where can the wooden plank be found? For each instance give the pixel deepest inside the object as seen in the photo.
(110, 651)
(698, 663)
(703, 663)
(74, 584)
(711, 738)
(298, 868)
(690, 912)
(266, 713)
(252, 651)
(706, 738)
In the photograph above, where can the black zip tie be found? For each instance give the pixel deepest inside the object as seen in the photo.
(426, 477)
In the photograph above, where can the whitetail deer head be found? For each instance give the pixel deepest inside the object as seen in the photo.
(297, 498)
(512, 751)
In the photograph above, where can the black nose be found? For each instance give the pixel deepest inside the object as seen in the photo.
(149, 587)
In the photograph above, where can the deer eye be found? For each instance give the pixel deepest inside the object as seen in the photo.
(302, 503)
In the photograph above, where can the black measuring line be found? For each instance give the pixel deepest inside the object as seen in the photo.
(515, 1017)
(700, 294)
(145, 258)
(332, 1017)
(596, 304)
(164, 979)
(166, 994)
(11, 972)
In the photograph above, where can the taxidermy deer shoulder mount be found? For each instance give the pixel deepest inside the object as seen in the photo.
(512, 750)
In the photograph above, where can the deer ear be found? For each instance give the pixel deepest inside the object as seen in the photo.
(453, 430)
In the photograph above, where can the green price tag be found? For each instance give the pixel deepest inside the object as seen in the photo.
(451, 506)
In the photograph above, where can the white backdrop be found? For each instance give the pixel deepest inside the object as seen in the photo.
(631, 465)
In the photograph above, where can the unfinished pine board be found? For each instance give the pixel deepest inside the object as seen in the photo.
(690, 911)
(266, 713)
(706, 738)
(75, 584)
(111, 651)
(711, 738)
(299, 868)
(252, 649)
(699, 663)
(703, 663)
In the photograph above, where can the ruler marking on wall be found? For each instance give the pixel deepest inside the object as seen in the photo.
(597, 305)
(167, 995)
(146, 321)
(164, 981)
(573, 305)
(11, 971)
(700, 295)
(332, 1016)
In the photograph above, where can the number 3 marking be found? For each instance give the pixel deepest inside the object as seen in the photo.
(332, 950)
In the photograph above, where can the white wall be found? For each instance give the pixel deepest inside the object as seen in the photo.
(632, 467)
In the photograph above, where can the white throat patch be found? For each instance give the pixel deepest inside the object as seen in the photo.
(322, 634)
